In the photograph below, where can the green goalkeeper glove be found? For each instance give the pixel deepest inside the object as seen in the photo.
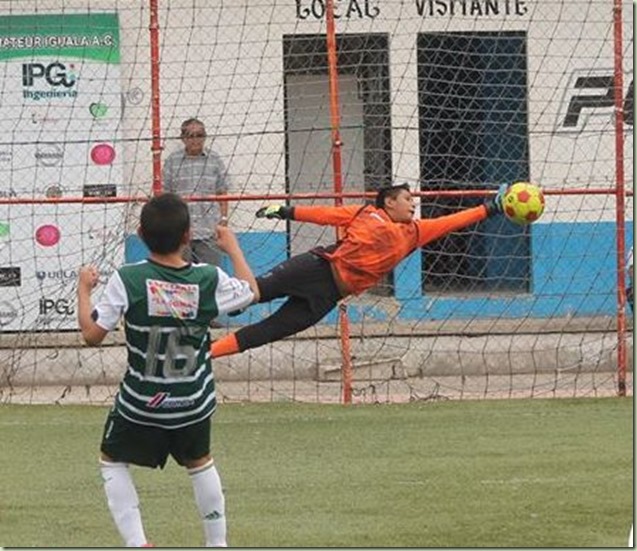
(495, 205)
(278, 212)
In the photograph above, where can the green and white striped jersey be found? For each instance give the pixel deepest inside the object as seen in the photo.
(169, 381)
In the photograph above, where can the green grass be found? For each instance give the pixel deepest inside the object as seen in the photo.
(530, 473)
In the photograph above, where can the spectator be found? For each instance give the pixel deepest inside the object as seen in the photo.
(195, 170)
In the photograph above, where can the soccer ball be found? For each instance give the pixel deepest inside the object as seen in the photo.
(523, 203)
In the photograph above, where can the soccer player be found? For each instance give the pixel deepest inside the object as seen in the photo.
(375, 239)
(167, 395)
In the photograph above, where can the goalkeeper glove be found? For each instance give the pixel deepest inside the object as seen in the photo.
(278, 212)
(495, 205)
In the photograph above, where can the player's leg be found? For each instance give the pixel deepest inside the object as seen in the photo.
(294, 316)
(123, 443)
(190, 446)
(123, 501)
(308, 281)
(281, 280)
(290, 277)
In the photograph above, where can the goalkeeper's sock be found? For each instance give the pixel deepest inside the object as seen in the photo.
(210, 502)
(225, 346)
(123, 502)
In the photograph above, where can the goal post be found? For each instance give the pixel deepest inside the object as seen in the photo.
(322, 102)
(618, 80)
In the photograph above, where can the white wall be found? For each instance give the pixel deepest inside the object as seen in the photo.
(223, 63)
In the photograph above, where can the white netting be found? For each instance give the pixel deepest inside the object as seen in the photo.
(447, 95)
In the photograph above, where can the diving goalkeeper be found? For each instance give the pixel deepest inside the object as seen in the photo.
(376, 238)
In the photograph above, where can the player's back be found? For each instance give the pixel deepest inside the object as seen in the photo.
(169, 379)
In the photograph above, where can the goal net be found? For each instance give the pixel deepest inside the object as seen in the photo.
(452, 97)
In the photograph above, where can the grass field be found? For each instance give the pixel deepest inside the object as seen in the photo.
(529, 473)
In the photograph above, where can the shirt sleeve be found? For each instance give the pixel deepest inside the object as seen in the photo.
(112, 305)
(327, 216)
(433, 228)
(232, 294)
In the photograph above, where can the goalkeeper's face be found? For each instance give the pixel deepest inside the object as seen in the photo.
(402, 207)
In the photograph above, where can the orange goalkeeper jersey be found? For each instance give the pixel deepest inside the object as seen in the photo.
(372, 244)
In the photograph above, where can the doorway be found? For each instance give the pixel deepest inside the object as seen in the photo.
(365, 125)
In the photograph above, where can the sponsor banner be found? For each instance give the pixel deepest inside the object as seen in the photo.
(42, 248)
(61, 77)
(589, 103)
(99, 190)
(10, 276)
(8, 313)
(91, 36)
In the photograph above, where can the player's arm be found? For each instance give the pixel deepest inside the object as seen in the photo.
(433, 228)
(318, 214)
(92, 333)
(227, 241)
(430, 229)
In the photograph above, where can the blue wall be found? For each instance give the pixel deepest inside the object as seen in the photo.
(574, 267)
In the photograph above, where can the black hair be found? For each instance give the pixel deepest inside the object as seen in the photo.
(188, 122)
(163, 223)
(389, 191)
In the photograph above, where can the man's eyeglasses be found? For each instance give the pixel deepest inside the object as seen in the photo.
(195, 135)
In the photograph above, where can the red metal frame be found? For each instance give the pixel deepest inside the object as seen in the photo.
(155, 97)
(620, 196)
(292, 196)
(619, 190)
(335, 120)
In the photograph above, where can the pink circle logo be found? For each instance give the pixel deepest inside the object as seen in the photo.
(47, 235)
(103, 154)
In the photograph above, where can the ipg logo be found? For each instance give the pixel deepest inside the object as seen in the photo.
(60, 306)
(55, 74)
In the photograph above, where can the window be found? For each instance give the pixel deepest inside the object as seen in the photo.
(473, 130)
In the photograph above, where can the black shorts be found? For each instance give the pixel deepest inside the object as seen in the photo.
(306, 276)
(127, 442)
(307, 282)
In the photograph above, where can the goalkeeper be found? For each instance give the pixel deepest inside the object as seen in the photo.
(375, 238)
